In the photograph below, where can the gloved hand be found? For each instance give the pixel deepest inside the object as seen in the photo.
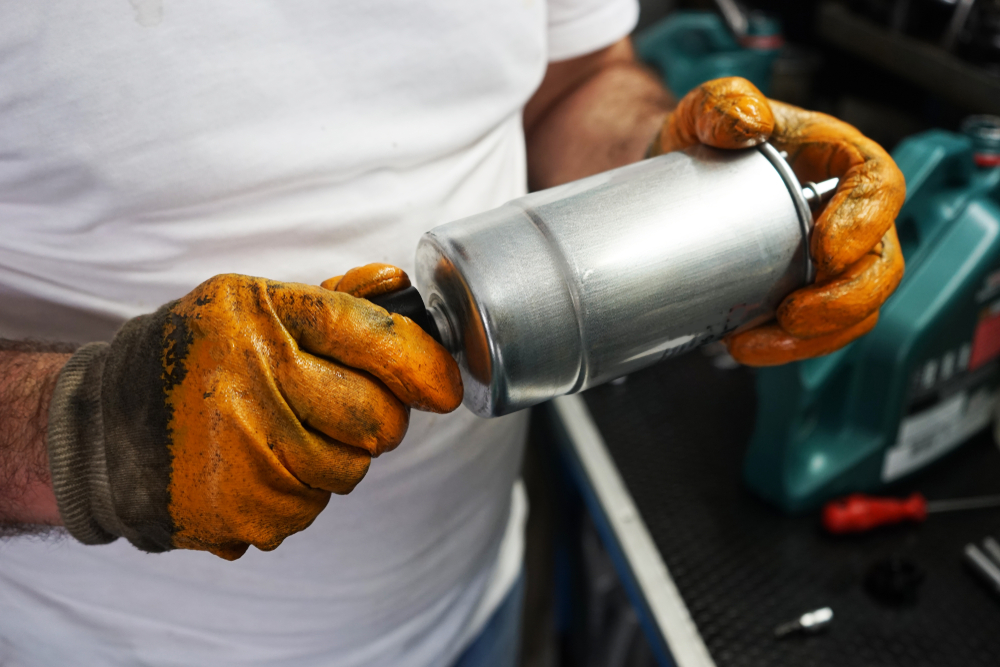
(228, 417)
(853, 244)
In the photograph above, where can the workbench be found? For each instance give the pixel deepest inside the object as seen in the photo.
(712, 570)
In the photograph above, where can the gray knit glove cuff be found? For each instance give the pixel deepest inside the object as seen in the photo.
(76, 449)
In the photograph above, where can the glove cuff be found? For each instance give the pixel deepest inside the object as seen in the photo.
(136, 426)
(76, 450)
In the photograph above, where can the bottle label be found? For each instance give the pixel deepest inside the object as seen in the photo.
(930, 433)
(953, 393)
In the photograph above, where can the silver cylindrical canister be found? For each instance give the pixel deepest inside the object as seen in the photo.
(569, 287)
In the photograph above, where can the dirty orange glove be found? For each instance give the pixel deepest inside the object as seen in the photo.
(228, 417)
(853, 243)
(370, 280)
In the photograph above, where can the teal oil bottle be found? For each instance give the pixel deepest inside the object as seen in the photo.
(690, 47)
(925, 379)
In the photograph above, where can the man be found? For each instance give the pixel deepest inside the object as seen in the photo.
(161, 154)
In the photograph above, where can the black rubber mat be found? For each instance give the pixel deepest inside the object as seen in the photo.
(677, 433)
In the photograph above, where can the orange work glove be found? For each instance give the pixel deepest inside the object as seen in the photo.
(228, 417)
(853, 244)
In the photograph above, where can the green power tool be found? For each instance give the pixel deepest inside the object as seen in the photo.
(926, 378)
(689, 48)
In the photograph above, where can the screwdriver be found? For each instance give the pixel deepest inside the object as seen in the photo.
(858, 512)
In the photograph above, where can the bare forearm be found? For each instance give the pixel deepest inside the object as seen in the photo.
(592, 114)
(28, 374)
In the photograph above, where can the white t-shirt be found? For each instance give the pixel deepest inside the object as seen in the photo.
(146, 146)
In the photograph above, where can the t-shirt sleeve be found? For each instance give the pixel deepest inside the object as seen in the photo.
(578, 27)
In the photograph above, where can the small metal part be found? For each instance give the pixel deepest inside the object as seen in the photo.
(784, 169)
(956, 504)
(817, 194)
(958, 20)
(808, 623)
(981, 564)
(992, 548)
(734, 17)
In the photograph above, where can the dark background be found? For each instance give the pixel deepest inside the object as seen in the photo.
(577, 612)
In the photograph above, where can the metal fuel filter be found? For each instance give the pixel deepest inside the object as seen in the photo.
(567, 288)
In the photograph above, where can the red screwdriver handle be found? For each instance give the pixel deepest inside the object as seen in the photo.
(857, 513)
